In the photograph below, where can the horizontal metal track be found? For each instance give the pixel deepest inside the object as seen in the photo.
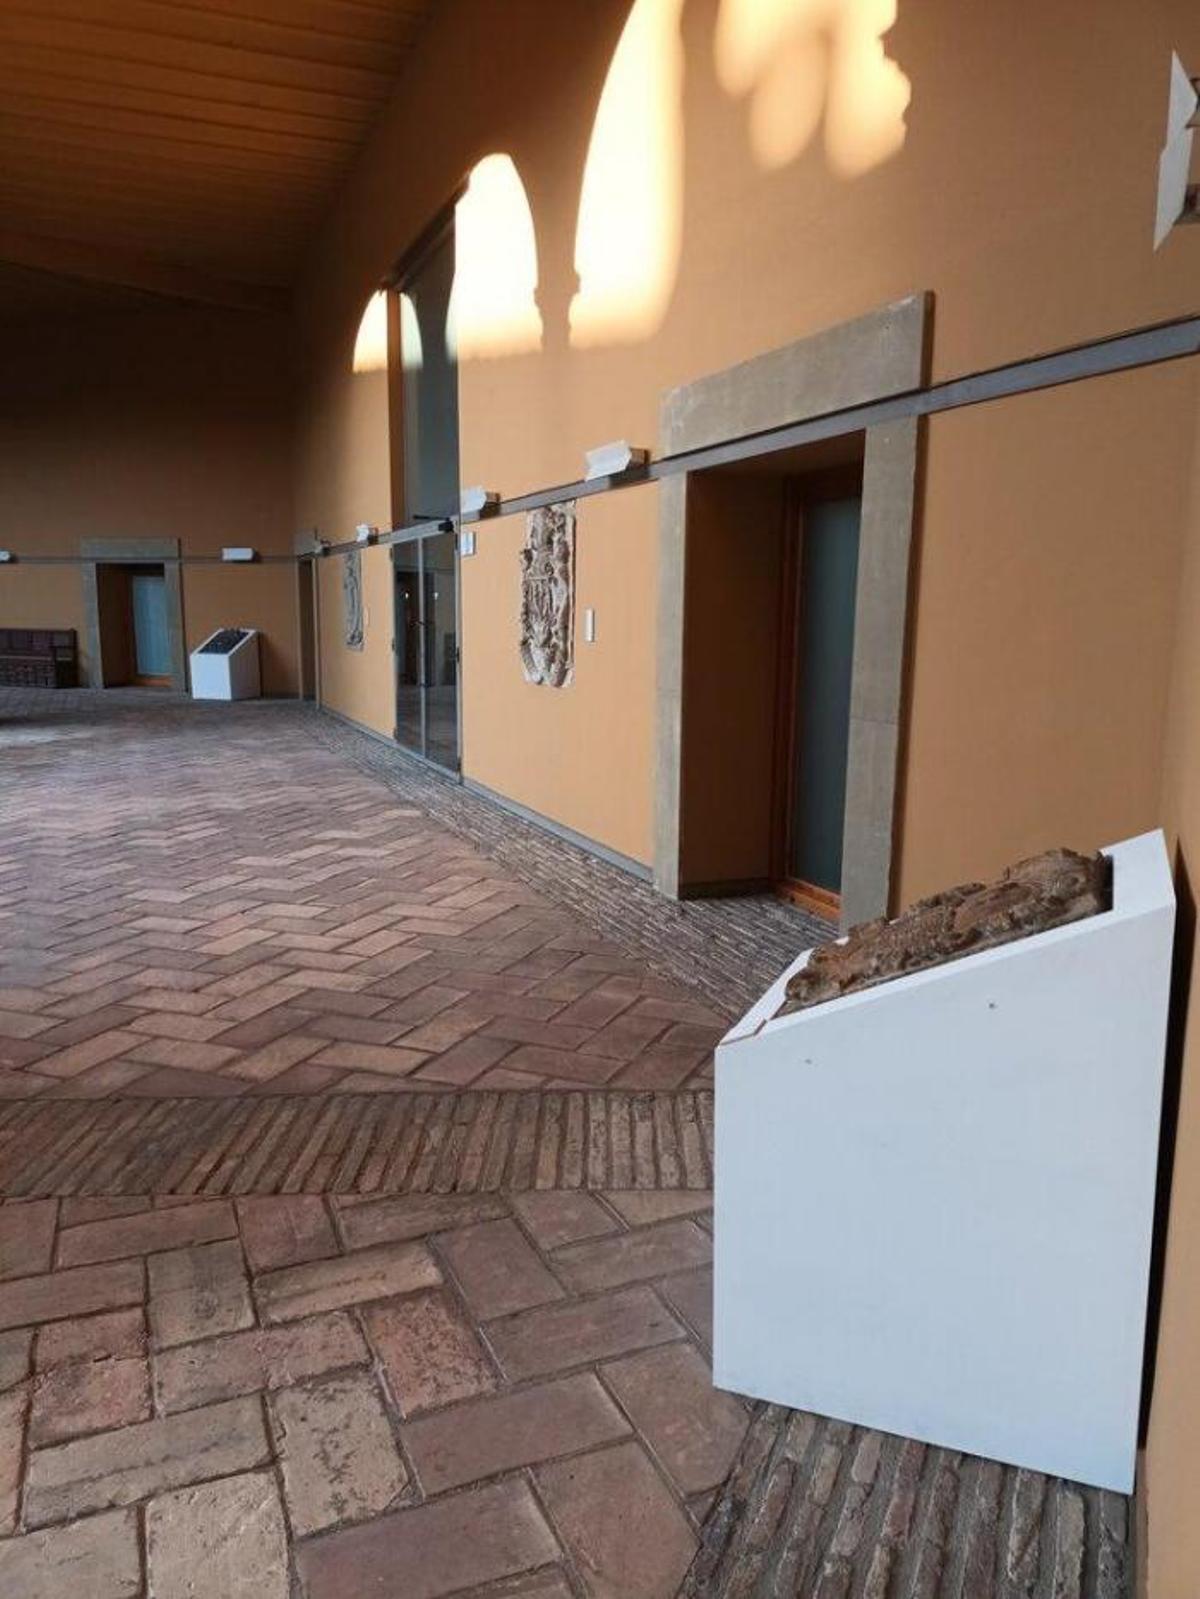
(1142, 347)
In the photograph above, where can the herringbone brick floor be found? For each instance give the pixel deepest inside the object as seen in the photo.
(356, 1148)
(206, 901)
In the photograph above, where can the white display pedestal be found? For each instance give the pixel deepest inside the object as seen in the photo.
(227, 674)
(934, 1198)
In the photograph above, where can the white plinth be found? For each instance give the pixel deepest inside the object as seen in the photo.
(230, 675)
(934, 1198)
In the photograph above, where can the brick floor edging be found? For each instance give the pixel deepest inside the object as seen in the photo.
(404, 1144)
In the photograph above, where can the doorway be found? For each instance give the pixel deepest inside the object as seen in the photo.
(819, 579)
(306, 626)
(426, 646)
(133, 613)
(134, 625)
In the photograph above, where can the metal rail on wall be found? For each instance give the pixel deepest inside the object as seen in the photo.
(1141, 347)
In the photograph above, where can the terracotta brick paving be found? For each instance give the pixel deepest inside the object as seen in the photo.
(262, 1339)
(315, 1393)
(208, 901)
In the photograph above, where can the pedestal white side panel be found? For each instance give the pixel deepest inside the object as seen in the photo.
(934, 1199)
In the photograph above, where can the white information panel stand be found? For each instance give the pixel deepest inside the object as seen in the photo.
(934, 1198)
(225, 666)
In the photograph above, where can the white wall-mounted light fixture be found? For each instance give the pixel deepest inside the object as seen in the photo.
(239, 552)
(610, 460)
(466, 541)
(7, 555)
(478, 501)
(589, 625)
(366, 533)
(1178, 200)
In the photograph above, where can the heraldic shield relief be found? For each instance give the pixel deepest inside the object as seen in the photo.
(548, 595)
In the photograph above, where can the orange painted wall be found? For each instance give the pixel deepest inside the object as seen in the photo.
(161, 423)
(1047, 575)
(358, 683)
(1172, 1558)
(1022, 196)
(568, 753)
(261, 596)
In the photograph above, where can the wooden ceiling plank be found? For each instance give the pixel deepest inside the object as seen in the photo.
(20, 60)
(107, 44)
(161, 140)
(357, 18)
(240, 31)
(67, 99)
(154, 277)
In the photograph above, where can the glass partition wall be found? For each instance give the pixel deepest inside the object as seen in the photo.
(426, 564)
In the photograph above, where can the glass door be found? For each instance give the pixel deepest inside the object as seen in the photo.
(427, 654)
(821, 574)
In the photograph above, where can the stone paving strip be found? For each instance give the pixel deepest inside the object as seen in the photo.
(415, 1143)
(246, 906)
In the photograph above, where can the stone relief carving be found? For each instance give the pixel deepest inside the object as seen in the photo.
(1045, 891)
(352, 600)
(548, 595)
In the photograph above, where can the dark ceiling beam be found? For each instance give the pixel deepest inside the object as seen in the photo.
(92, 263)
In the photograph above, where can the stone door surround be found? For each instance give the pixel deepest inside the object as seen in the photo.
(105, 552)
(854, 363)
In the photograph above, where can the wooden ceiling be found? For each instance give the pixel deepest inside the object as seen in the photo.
(186, 148)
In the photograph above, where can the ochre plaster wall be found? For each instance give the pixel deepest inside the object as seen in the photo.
(577, 754)
(1022, 196)
(358, 683)
(1169, 1486)
(261, 596)
(44, 596)
(162, 423)
(1047, 572)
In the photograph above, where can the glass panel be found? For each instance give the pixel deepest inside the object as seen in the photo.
(151, 645)
(430, 387)
(441, 650)
(406, 560)
(824, 657)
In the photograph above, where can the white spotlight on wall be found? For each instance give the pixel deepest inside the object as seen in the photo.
(610, 460)
(366, 533)
(1177, 199)
(239, 552)
(478, 501)
(7, 555)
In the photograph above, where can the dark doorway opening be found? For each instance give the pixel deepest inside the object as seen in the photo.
(769, 591)
(306, 626)
(819, 576)
(134, 624)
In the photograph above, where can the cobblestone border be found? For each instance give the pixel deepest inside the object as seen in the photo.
(388, 1144)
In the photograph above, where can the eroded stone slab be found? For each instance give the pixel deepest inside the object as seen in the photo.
(119, 1468)
(367, 1274)
(339, 1458)
(98, 1558)
(219, 1540)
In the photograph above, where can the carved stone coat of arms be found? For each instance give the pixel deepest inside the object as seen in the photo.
(548, 595)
